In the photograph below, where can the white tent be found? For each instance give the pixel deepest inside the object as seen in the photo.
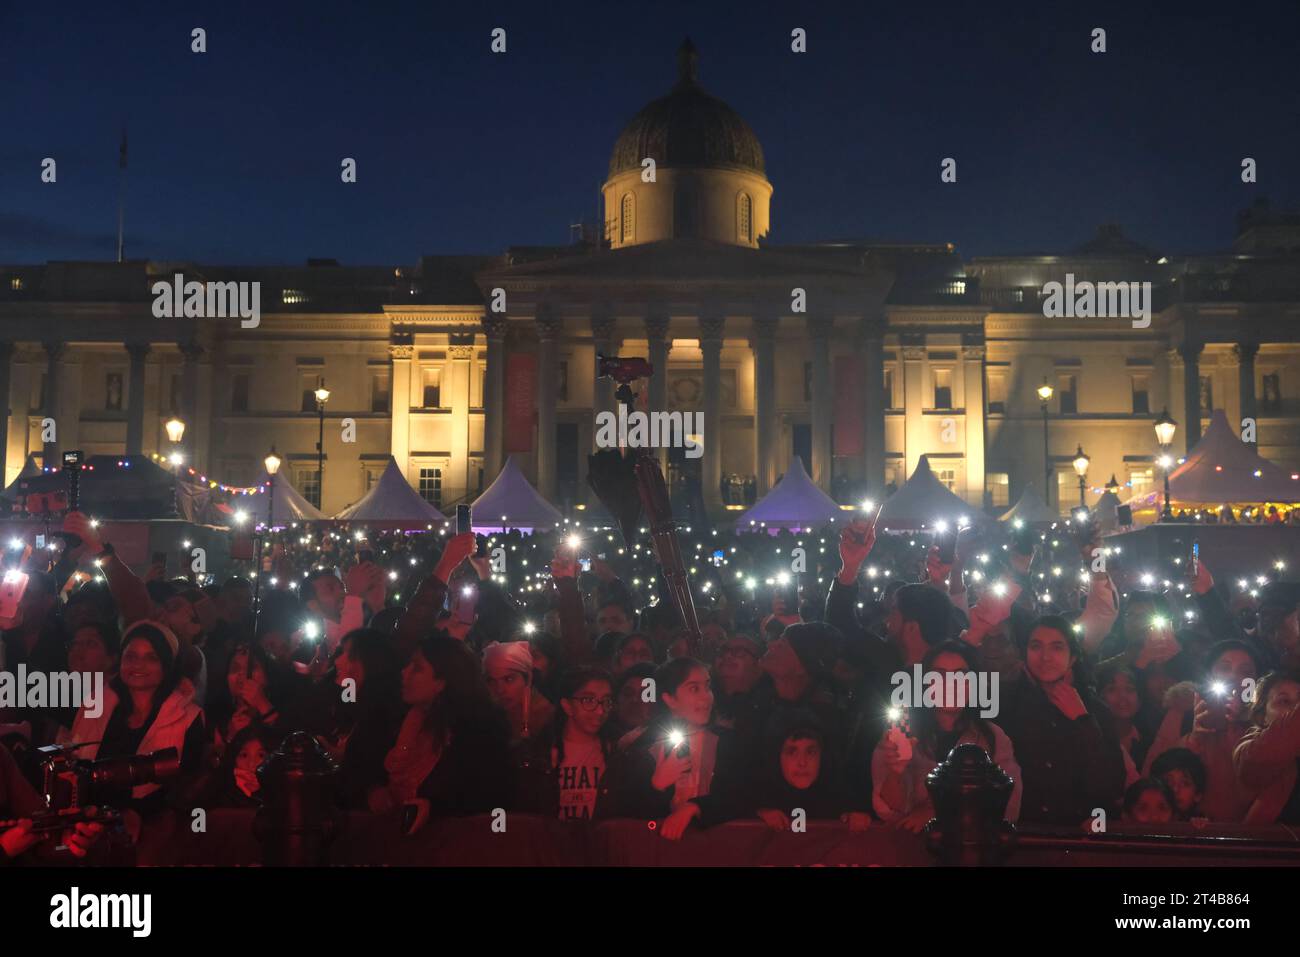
(1030, 509)
(512, 502)
(392, 502)
(795, 502)
(1223, 470)
(924, 500)
(289, 506)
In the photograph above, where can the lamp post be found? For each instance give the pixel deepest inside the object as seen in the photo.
(272, 463)
(175, 432)
(1045, 393)
(1081, 463)
(322, 396)
(1165, 428)
(1113, 486)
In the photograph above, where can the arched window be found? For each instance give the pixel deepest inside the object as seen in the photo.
(628, 217)
(745, 218)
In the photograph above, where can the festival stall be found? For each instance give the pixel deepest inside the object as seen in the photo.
(511, 502)
(794, 502)
(392, 503)
(923, 502)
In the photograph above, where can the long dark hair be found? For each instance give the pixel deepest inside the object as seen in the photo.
(924, 725)
(220, 703)
(464, 698)
(567, 686)
(382, 667)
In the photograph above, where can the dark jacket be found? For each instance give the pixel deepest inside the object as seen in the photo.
(633, 795)
(473, 776)
(1070, 768)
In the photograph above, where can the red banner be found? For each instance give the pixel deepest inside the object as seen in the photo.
(849, 374)
(521, 402)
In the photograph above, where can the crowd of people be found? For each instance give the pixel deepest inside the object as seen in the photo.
(452, 674)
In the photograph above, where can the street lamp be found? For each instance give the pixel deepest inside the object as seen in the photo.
(175, 429)
(1081, 463)
(1165, 428)
(1113, 486)
(322, 396)
(1045, 393)
(272, 464)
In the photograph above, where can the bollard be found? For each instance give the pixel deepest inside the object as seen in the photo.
(298, 819)
(970, 795)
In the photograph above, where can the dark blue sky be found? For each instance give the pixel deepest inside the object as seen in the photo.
(234, 154)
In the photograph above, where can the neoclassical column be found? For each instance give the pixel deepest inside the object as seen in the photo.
(1191, 353)
(191, 351)
(6, 365)
(1246, 352)
(873, 353)
(401, 351)
(819, 333)
(913, 352)
(494, 380)
(50, 401)
(602, 341)
(972, 356)
(139, 352)
(548, 369)
(711, 325)
(656, 330)
(763, 342)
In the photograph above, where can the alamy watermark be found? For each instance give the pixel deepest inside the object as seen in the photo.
(55, 689)
(208, 300)
(951, 689)
(1098, 300)
(651, 430)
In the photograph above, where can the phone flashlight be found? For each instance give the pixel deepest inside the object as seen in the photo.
(1158, 622)
(1220, 689)
(310, 631)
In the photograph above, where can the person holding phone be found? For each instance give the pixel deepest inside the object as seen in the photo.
(1267, 760)
(1062, 733)
(677, 767)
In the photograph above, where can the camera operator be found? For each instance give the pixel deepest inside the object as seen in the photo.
(35, 637)
(19, 799)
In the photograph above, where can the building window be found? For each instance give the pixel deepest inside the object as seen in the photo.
(292, 297)
(308, 483)
(373, 475)
(1207, 394)
(562, 382)
(745, 218)
(430, 487)
(888, 397)
(943, 388)
(998, 487)
(432, 388)
(1271, 398)
(948, 478)
(16, 284)
(239, 392)
(174, 397)
(997, 393)
(1141, 479)
(628, 218)
(1141, 394)
(113, 392)
(308, 382)
(1066, 394)
(379, 391)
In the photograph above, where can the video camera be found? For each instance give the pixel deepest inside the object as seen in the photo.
(75, 789)
(622, 370)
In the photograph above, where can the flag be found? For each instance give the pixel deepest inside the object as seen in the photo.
(121, 155)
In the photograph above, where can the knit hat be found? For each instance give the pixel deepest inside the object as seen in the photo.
(172, 642)
(515, 655)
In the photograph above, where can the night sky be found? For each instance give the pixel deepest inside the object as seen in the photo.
(234, 154)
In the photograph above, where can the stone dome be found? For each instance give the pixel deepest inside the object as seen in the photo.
(688, 127)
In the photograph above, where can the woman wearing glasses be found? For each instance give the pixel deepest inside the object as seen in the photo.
(561, 773)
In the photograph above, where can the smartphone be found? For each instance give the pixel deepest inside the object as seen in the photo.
(464, 519)
(584, 564)
(12, 587)
(1194, 564)
(947, 542)
(719, 556)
